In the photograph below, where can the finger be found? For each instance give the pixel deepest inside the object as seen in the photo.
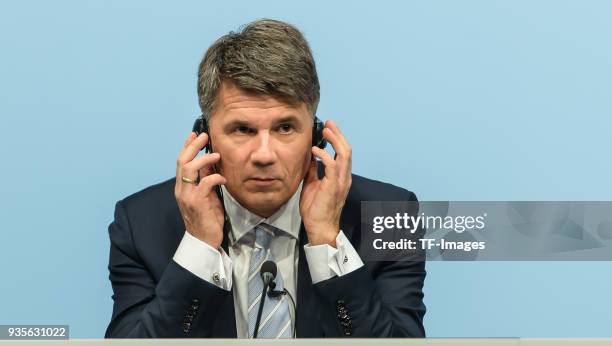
(190, 138)
(178, 186)
(330, 124)
(346, 154)
(335, 141)
(343, 154)
(342, 139)
(330, 165)
(208, 182)
(338, 142)
(311, 173)
(192, 149)
(200, 163)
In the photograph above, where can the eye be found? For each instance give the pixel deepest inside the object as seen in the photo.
(285, 128)
(243, 129)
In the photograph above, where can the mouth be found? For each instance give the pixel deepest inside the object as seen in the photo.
(263, 181)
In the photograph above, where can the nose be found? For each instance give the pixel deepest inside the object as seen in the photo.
(263, 155)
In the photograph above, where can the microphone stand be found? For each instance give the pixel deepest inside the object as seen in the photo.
(266, 283)
(284, 292)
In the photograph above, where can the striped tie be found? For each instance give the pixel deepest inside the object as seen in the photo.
(275, 319)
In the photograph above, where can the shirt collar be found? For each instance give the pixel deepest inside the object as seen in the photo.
(287, 218)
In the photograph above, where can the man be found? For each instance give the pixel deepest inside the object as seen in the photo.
(176, 273)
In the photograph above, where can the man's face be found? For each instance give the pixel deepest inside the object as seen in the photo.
(265, 147)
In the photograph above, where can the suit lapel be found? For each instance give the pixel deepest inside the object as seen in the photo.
(225, 325)
(306, 317)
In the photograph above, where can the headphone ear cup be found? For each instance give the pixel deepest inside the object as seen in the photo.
(197, 126)
(317, 134)
(201, 126)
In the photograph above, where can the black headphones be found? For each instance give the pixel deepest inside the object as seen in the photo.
(201, 126)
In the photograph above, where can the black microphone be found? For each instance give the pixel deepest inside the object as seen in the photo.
(268, 274)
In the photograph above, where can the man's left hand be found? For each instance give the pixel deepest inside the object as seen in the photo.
(321, 201)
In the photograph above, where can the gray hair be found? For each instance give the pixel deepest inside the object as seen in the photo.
(266, 56)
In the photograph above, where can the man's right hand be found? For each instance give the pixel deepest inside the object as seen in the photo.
(198, 202)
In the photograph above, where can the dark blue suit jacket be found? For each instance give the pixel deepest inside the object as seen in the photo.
(155, 297)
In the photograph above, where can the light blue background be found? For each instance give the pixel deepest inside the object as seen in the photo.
(455, 100)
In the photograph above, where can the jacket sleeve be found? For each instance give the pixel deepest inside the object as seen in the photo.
(385, 300)
(175, 306)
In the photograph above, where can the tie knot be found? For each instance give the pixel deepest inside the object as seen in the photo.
(263, 235)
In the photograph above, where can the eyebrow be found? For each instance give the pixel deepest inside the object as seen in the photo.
(288, 119)
(241, 122)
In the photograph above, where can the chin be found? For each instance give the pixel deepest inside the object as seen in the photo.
(272, 200)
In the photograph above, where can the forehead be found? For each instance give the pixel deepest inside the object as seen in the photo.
(234, 102)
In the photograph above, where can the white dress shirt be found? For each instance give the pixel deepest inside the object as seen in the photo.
(227, 271)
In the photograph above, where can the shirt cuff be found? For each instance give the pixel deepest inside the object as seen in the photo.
(204, 261)
(325, 261)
